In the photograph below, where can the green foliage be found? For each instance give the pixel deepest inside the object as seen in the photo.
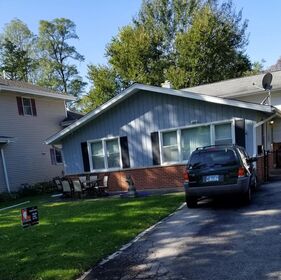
(73, 236)
(56, 70)
(212, 48)
(135, 56)
(17, 51)
(14, 61)
(36, 189)
(105, 87)
(256, 68)
(188, 42)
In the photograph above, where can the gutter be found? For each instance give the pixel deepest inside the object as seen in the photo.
(37, 93)
(147, 88)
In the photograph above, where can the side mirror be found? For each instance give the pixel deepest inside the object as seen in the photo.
(252, 159)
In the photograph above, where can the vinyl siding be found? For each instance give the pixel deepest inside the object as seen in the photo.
(275, 101)
(3, 187)
(28, 158)
(137, 117)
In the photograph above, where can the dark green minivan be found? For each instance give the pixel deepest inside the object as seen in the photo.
(219, 170)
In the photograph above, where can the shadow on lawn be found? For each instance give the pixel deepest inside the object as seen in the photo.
(73, 236)
(220, 240)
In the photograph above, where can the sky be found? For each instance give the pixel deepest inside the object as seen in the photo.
(97, 21)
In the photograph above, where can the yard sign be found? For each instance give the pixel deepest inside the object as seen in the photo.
(29, 216)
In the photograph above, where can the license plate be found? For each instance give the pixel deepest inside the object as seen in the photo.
(212, 178)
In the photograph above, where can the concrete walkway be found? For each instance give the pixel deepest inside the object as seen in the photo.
(218, 240)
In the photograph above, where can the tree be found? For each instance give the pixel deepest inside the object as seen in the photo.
(135, 56)
(57, 72)
(276, 66)
(17, 51)
(14, 61)
(189, 42)
(211, 50)
(106, 85)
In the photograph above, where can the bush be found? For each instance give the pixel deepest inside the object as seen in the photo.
(36, 189)
(7, 196)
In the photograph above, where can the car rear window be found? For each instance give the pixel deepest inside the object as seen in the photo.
(212, 158)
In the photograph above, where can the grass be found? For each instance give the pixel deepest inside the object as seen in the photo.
(73, 236)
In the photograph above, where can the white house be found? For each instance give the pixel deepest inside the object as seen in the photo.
(28, 115)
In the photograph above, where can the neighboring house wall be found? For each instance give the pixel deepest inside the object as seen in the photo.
(275, 101)
(2, 178)
(141, 114)
(28, 158)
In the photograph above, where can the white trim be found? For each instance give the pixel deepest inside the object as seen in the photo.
(5, 170)
(160, 146)
(254, 139)
(178, 130)
(31, 109)
(162, 162)
(37, 92)
(148, 89)
(233, 131)
(104, 149)
(266, 120)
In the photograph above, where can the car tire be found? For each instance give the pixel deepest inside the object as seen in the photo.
(255, 184)
(247, 196)
(191, 202)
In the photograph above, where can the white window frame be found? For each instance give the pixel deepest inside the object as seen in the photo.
(161, 145)
(179, 129)
(60, 150)
(103, 140)
(28, 98)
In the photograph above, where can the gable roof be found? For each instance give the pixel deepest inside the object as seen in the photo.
(237, 87)
(71, 117)
(28, 88)
(149, 89)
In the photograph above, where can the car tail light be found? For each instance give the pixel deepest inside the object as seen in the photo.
(186, 176)
(241, 171)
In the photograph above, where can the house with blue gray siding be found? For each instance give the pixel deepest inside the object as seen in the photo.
(149, 132)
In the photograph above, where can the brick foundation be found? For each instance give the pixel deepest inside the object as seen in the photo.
(145, 178)
(161, 176)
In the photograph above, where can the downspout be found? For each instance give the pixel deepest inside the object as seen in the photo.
(5, 170)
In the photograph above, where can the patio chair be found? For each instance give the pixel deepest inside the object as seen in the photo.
(66, 188)
(77, 187)
(93, 178)
(83, 181)
(58, 184)
(102, 188)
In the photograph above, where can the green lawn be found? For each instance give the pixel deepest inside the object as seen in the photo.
(73, 236)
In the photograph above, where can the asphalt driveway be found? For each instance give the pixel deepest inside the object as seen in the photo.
(218, 240)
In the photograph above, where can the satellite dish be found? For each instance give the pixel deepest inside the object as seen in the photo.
(266, 81)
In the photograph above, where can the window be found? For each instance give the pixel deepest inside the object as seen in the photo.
(208, 159)
(170, 146)
(27, 108)
(56, 156)
(105, 154)
(97, 155)
(223, 134)
(192, 138)
(113, 154)
(177, 145)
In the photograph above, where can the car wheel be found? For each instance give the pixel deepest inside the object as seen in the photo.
(255, 183)
(191, 202)
(247, 196)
